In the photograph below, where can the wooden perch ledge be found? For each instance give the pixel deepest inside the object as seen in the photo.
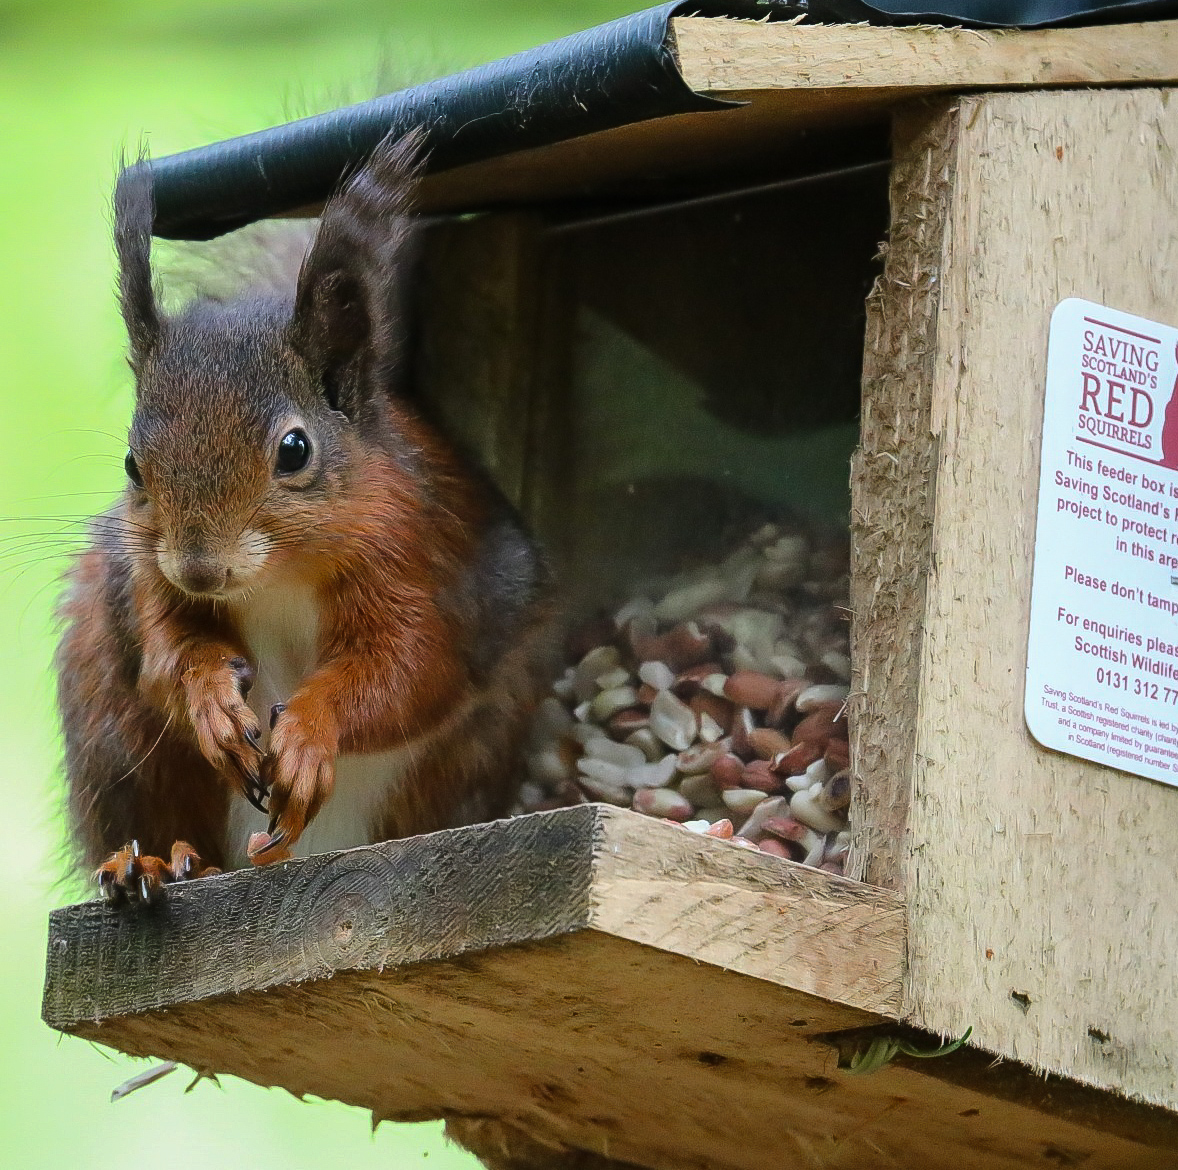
(586, 979)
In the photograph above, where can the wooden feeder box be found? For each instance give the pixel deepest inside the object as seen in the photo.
(589, 987)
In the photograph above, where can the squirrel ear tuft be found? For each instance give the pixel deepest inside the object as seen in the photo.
(347, 320)
(134, 213)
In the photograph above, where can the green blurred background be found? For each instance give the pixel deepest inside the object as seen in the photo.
(78, 82)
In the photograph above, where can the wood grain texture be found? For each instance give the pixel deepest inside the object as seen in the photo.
(1040, 887)
(718, 55)
(589, 1044)
(746, 912)
(892, 500)
(443, 894)
(499, 1145)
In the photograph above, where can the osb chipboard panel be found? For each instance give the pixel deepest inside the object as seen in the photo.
(1040, 888)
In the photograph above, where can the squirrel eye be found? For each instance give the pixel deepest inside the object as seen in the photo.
(293, 451)
(132, 470)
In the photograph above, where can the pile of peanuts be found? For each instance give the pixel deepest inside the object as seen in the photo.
(716, 700)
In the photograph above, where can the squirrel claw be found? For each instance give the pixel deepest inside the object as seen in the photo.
(299, 774)
(138, 878)
(255, 789)
(107, 886)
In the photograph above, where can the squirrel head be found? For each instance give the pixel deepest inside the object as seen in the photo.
(254, 417)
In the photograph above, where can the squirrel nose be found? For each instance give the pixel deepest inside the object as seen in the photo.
(200, 575)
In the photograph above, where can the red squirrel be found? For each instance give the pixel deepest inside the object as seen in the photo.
(307, 624)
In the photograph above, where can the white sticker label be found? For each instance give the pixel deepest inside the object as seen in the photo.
(1102, 658)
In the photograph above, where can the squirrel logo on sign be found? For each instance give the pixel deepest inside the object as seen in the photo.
(1170, 424)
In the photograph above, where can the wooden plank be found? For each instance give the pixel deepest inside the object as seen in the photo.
(443, 894)
(580, 1041)
(492, 350)
(452, 893)
(976, 1071)
(655, 159)
(721, 56)
(1039, 886)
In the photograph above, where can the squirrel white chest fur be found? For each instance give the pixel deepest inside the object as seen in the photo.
(280, 626)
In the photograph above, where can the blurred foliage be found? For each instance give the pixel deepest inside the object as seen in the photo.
(80, 81)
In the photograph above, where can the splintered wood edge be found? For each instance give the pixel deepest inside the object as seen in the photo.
(725, 56)
(893, 496)
(488, 886)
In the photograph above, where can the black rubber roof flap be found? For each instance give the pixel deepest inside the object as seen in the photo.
(609, 76)
(986, 13)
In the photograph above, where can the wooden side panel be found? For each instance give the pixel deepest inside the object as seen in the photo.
(892, 499)
(492, 353)
(1040, 887)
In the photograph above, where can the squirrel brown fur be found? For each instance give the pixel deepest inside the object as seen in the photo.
(305, 602)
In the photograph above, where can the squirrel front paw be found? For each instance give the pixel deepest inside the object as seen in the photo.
(299, 773)
(226, 729)
(132, 876)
